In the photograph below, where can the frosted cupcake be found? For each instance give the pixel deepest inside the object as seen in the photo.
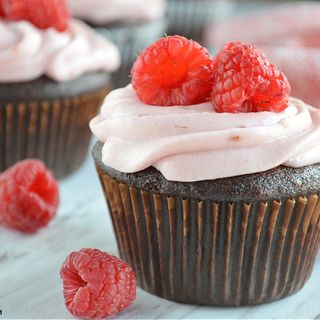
(211, 175)
(131, 24)
(54, 73)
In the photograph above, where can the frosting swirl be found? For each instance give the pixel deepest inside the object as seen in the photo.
(194, 143)
(26, 52)
(109, 11)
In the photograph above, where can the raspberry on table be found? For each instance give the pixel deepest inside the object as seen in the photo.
(246, 81)
(29, 196)
(43, 14)
(97, 284)
(173, 71)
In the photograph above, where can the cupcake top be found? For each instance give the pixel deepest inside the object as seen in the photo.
(195, 118)
(62, 49)
(113, 11)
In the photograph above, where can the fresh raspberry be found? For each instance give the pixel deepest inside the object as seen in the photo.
(1, 10)
(173, 71)
(96, 284)
(246, 81)
(29, 196)
(43, 14)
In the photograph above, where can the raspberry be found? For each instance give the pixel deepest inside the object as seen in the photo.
(29, 196)
(96, 284)
(173, 71)
(1, 10)
(43, 14)
(246, 81)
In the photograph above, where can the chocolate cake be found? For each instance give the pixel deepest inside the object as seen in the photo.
(44, 88)
(235, 241)
(258, 186)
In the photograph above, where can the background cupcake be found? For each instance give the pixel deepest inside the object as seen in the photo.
(54, 73)
(190, 17)
(213, 201)
(131, 24)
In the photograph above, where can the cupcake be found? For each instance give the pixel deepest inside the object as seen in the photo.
(190, 17)
(131, 24)
(54, 73)
(211, 175)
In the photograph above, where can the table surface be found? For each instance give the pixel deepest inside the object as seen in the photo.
(30, 286)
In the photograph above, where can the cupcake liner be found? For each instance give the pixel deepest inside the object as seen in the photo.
(190, 17)
(131, 39)
(55, 131)
(214, 253)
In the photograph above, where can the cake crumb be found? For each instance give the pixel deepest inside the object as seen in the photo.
(235, 138)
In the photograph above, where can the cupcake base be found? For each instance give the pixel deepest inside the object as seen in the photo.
(212, 252)
(53, 129)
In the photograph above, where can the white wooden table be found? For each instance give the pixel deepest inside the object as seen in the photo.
(30, 286)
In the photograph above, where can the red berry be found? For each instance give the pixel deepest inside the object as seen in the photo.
(1, 10)
(29, 196)
(96, 284)
(173, 71)
(246, 81)
(43, 14)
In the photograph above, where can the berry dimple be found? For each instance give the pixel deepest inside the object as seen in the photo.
(29, 196)
(96, 284)
(42, 13)
(246, 81)
(173, 71)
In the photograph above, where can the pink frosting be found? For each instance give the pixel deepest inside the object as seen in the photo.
(195, 143)
(26, 52)
(108, 11)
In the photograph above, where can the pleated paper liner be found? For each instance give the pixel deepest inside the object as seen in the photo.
(190, 17)
(55, 131)
(215, 253)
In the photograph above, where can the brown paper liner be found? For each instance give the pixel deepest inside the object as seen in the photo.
(55, 131)
(215, 253)
(191, 18)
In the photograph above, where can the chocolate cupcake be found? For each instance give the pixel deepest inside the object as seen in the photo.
(131, 25)
(214, 203)
(51, 84)
(190, 17)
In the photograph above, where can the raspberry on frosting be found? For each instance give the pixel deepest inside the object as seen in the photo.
(177, 71)
(246, 81)
(97, 284)
(173, 71)
(43, 14)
